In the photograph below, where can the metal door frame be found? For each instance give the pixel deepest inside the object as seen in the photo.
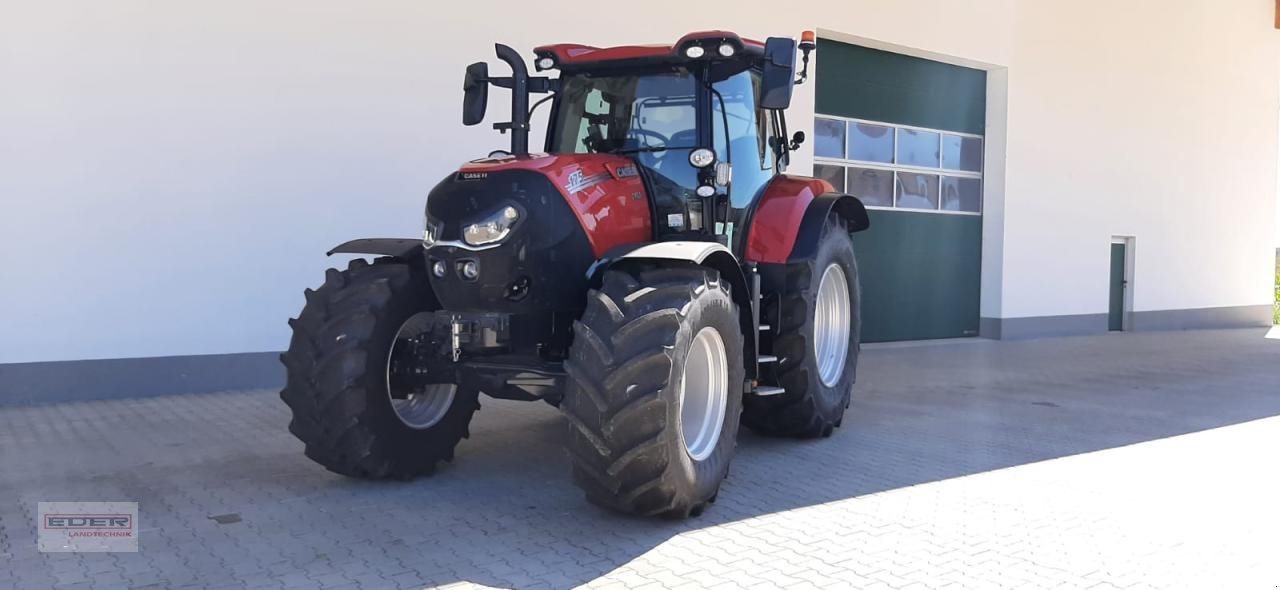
(1126, 312)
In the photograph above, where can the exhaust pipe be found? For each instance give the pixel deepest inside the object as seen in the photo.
(519, 85)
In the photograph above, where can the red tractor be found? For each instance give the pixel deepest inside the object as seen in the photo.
(653, 274)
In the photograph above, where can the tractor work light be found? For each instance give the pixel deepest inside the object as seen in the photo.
(491, 229)
(726, 50)
(694, 52)
(701, 157)
(470, 270)
(724, 173)
(705, 190)
(545, 62)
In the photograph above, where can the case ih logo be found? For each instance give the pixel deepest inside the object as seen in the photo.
(88, 521)
(472, 175)
(579, 182)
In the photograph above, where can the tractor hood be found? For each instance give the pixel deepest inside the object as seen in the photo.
(604, 194)
(554, 215)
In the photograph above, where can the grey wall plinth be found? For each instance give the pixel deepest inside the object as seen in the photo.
(62, 381)
(1245, 316)
(1042, 326)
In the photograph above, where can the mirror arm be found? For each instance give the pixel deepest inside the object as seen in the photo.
(542, 85)
(538, 85)
(796, 140)
(786, 151)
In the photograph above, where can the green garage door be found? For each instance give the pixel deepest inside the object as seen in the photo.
(906, 136)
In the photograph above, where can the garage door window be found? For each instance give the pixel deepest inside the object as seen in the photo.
(900, 167)
(871, 143)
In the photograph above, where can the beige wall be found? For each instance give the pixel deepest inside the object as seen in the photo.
(1149, 119)
(171, 172)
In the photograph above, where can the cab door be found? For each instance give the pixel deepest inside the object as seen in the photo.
(744, 144)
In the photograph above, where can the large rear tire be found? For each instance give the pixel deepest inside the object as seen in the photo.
(817, 342)
(340, 377)
(655, 390)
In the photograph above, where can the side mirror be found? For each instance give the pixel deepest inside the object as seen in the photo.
(475, 89)
(779, 73)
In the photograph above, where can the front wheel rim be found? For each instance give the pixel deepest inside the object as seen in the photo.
(426, 405)
(831, 324)
(704, 394)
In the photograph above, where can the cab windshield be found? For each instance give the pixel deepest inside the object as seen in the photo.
(651, 117)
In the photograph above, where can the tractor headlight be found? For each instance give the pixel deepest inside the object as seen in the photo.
(491, 229)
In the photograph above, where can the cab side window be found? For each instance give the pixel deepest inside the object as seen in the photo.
(747, 137)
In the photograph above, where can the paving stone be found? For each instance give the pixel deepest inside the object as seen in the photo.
(1131, 461)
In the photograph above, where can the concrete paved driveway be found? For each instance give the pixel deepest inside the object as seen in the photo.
(1121, 460)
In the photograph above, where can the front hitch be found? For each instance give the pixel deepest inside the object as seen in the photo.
(471, 349)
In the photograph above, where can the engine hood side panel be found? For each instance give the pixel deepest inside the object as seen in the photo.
(605, 193)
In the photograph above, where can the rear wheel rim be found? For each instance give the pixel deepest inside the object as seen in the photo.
(423, 406)
(831, 324)
(704, 394)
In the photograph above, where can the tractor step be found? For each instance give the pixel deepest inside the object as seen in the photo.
(766, 358)
(768, 390)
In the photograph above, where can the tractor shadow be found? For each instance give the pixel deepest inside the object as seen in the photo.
(921, 414)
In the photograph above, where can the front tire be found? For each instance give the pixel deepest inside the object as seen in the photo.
(655, 390)
(817, 342)
(339, 377)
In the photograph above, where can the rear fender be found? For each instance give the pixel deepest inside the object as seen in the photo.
(850, 209)
(784, 217)
(708, 254)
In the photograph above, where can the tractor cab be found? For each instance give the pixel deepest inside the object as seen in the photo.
(702, 119)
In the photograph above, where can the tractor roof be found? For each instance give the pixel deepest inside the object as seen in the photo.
(574, 56)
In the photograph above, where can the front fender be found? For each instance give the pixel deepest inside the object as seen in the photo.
(708, 254)
(407, 249)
